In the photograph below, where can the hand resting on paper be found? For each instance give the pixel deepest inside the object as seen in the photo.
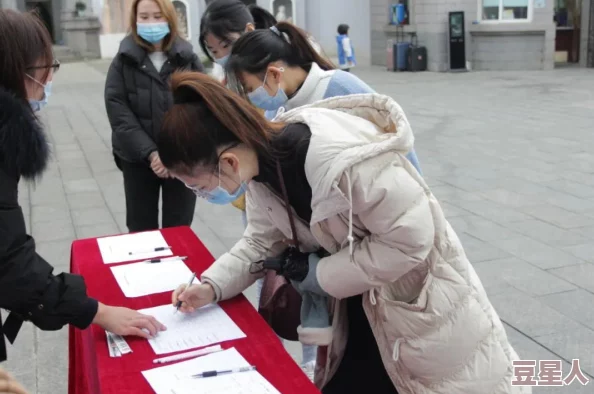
(124, 322)
(193, 297)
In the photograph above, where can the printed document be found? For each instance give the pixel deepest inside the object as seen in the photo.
(132, 247)
(140, 279)
(176, 378)
(206, 326)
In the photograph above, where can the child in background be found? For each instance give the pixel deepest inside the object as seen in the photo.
(346, 53)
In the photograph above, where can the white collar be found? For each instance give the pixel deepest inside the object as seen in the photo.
(307, 93)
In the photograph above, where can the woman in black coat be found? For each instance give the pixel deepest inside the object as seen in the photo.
(28, 287)
(137, 97)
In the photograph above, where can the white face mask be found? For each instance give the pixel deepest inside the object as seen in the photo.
(38, 105)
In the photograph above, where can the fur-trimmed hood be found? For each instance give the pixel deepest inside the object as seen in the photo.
(24, 150)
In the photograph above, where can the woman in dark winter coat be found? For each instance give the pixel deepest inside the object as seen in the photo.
(28, 287)
(137, 97)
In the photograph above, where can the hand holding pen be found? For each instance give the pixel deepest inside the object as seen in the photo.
(188, 298)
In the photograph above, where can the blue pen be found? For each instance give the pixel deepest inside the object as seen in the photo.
(208, 374)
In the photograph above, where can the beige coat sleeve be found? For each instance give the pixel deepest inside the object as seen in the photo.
(395, 210)
(230, 274)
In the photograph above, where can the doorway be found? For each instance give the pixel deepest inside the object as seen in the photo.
(43, 10)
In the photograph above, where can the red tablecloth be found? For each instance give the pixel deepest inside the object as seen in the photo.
(93, 371)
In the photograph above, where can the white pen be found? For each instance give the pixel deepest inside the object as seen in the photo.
(159, 249)
(208, 374)
(165, 260)
(184, 356)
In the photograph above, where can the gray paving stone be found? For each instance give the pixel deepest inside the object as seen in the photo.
(578, 345)
(537, 253)
(22, 354)
(575, 304)
(54, 361)
(48, 213)
(97, 230)
(574, 188)
(57, 253)
(81, 186)
(453, 194)
(521, 275)
(547, 233)
(558, 216)
(55, 197)
(80, 201)
(77, 173)
(481, 228)
(584, 252)
(509, 198)
(53, 231)
(530, 316)
(477, 250)
(91, 216)
(492, 211)
(450, 211)
(581, 275)
(27, 378)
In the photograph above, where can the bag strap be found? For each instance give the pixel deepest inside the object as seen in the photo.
(287, 205)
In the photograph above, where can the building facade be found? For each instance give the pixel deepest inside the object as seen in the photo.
(499, 34)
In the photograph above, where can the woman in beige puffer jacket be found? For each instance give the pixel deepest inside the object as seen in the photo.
(387, 236)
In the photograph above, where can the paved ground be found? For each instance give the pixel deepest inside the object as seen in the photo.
(508, 154)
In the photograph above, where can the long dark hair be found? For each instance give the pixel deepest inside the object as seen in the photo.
(206, 116)
(254, 51)
(223, 17)
(24, 42)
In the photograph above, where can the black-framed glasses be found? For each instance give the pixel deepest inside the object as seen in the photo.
(55, 66)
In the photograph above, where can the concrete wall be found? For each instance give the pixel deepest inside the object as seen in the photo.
(323, 17)
(514, 45)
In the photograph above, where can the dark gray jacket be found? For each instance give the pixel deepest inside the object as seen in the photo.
(137, 96)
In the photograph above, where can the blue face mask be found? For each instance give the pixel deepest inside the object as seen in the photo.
(261, 99)
(223, 61)
(152, 32)
(37, 105)
(220, 195)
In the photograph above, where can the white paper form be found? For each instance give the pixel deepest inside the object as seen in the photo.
(140, 279)
(118, 249)
(176, 378)
(206, 326)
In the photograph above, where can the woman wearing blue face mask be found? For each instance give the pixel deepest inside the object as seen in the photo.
(137, 97)
(28, 287)
(278, 67)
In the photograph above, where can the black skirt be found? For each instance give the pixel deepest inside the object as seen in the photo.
(361, 369)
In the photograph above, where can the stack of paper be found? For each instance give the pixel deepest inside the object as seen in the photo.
(177, 378)
(206, 326)
(140, 279)
(133, 247)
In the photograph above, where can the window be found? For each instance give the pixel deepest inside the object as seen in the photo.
(506, 10)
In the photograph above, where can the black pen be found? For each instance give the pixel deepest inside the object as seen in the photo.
(165, 260)
(159, 249)
(208, 374)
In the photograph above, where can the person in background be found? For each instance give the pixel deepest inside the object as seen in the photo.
(409, 313)
(223, 22)
(28, 287)
(9, 385)
(278, 67)
(136, 97)
(345, 50)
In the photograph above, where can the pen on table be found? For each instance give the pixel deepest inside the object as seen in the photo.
(179, 303)
(184, 356)
(208, 374)
(159, 249)
(166, 259)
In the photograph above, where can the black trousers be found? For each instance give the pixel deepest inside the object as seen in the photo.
(361, 369)
(142, 188)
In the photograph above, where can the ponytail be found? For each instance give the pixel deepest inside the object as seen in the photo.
(262, 18)
(254, 51)
(206, 116)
